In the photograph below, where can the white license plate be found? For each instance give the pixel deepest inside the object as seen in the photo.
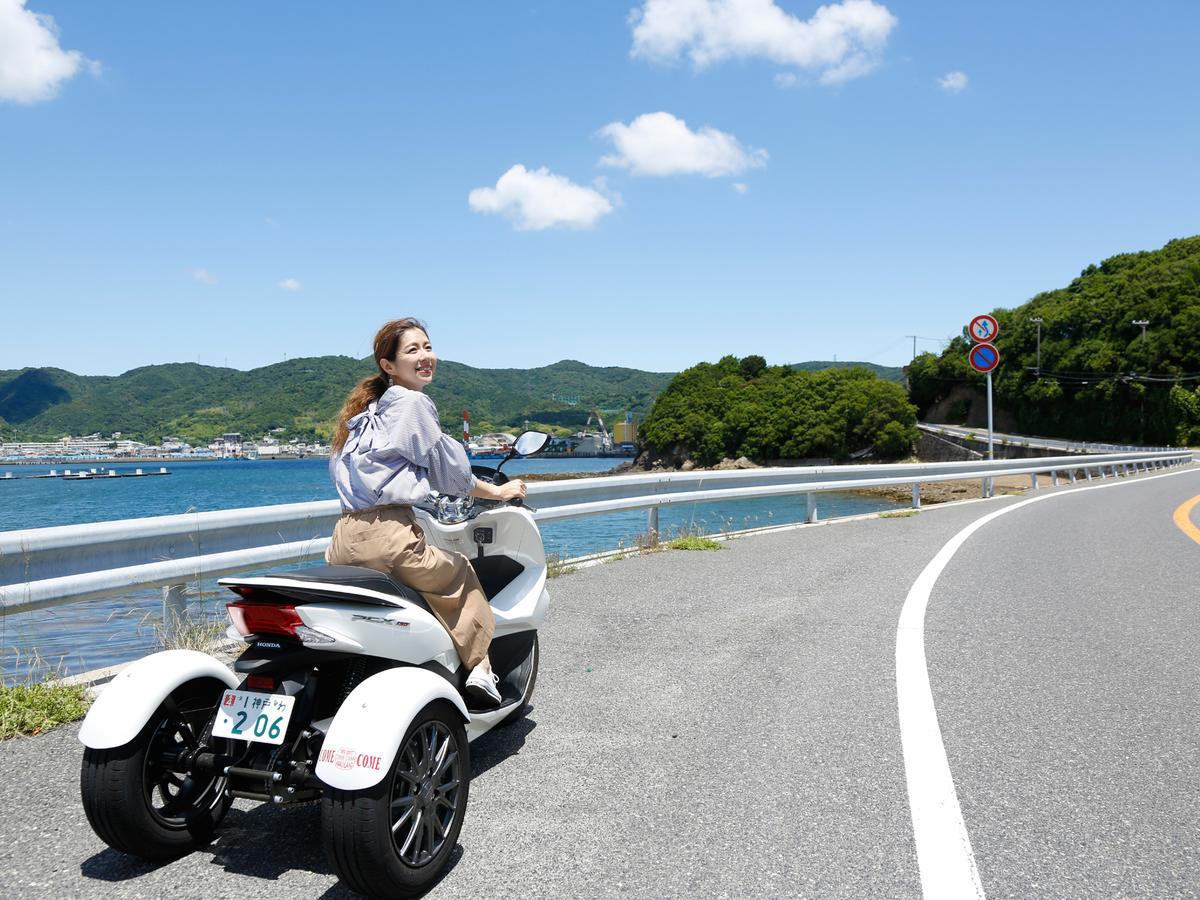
(253, 716)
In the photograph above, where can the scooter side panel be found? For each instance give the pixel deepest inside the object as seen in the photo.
(129, 700)
(366, 732)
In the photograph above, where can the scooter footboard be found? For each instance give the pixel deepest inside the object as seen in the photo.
(366, 732)
(128, 701)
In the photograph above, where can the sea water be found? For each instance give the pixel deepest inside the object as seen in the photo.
(77, 637)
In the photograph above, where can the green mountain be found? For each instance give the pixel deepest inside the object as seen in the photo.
(301, 396)
(1099, 378)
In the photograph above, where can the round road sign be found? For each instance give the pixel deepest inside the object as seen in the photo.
(983, 357)
(984, 329)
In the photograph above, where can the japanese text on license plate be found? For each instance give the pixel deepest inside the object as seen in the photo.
(252, 716)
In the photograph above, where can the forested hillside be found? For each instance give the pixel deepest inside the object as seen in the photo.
(1099, 378)
(301, 396)
(745, 408)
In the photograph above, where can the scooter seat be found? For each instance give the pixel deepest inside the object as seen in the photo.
(358, 577)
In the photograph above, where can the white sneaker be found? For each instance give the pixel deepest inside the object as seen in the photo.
(481, 685)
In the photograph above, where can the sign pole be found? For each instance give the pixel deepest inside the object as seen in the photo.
(991, 444)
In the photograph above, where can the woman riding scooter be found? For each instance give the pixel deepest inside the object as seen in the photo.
(388, 452)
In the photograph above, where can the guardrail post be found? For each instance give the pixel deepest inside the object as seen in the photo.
(811, 516)
(174, 608)
(1033, 481)
(1088, 473)
(1071, 475)
(916, 496)
(1054, 478)
(652, 525)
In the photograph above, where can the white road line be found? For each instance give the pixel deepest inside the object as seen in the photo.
(944, 854)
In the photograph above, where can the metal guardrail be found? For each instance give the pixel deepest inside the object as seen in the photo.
(979, 435)
(43, 567)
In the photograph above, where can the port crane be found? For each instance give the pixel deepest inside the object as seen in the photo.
(606, 444)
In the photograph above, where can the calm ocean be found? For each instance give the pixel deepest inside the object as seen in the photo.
(82, 636)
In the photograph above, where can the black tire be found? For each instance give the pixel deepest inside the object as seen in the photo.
(531, 682)
(366, 833)
(136, 803)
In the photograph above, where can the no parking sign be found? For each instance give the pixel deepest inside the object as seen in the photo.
(983, 357)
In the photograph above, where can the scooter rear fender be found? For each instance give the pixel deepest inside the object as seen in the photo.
(128, 701)
(361, 745)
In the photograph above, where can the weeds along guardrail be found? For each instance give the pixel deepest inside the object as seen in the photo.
(44, 567)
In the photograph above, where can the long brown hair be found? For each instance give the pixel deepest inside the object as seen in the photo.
(387, 342)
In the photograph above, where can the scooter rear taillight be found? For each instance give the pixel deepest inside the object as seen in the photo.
(264, 618)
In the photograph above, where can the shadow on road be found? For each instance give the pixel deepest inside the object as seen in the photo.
(498, 745)
(267, 841)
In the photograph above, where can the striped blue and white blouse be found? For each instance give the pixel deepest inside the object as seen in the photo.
(396, 452)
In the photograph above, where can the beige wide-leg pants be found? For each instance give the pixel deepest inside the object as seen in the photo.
(388, 539)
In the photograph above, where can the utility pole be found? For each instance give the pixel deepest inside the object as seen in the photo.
(1143, 323)
(1146, 363)
(1038, 321)
(914, 340)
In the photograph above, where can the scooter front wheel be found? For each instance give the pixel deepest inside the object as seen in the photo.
(136, 797)
(394, 838)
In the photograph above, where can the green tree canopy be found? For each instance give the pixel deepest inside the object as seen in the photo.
(738, 408)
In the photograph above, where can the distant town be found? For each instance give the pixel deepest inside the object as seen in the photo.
(230, 445)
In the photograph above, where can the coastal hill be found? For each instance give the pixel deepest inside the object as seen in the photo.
(302, 396)
(1102, 376)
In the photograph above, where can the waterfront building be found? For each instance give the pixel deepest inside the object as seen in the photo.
(91, 446)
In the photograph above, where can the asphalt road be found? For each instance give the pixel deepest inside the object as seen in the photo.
(724, 724)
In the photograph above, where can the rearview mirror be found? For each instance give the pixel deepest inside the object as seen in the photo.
(530, 442)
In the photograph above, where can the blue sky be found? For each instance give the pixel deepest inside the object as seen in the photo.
(237, 182)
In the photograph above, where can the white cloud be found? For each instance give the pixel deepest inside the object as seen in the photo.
(660, 144)
(953, 82)
(786, 79)
(840, 40)
(32, 64)
(741, 187)
(539, 199)
(204, 276)
(291, 284)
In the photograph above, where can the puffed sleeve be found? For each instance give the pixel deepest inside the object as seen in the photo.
(417, 433)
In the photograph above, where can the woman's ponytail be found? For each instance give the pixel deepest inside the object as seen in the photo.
(367, 392)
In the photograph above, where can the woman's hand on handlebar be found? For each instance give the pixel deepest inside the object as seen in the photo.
(509, 491)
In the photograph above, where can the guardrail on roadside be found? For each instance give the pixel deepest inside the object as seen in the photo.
(43, 567)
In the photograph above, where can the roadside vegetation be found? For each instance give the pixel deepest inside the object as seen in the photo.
(33, 706)
(1102, 377)
(693, 542)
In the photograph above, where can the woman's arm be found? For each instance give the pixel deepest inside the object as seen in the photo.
(508, 491)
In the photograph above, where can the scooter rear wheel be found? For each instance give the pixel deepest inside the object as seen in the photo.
(394, 838)
(135, 799)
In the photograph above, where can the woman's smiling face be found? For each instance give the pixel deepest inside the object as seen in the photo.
(415, 361)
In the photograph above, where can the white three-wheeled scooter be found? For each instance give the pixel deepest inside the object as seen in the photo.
(349, 691)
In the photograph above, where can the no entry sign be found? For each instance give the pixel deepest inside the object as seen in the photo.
(983, 357)
(983, 328)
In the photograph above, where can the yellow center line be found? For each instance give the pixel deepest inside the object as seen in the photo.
(1184, 521)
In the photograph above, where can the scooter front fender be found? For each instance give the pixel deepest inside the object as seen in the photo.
(366, 732)
(128, 701)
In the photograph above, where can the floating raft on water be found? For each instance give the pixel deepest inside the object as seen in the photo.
(88, 474)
